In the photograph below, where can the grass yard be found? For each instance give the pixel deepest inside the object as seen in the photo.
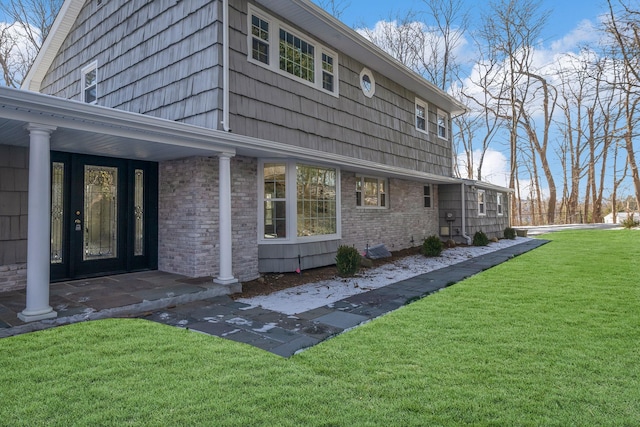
(549, 338)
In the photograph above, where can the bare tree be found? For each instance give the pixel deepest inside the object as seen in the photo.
(511, 28)
(22, 37)
(334, 7)
(446, 24)
(623, 27)
(396, 35)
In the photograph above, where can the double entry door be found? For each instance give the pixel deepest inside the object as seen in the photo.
(103, 216)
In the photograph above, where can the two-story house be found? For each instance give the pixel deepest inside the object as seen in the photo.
(222, 138)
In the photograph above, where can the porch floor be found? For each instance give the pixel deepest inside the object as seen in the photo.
(109, 296)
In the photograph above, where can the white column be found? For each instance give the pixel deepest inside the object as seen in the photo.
(225, 276)
(38, 225)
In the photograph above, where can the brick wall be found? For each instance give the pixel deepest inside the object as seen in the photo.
(14, 187)
(188, 217)
(405, 219)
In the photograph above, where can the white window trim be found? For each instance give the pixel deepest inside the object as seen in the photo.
(292, 205)
(445, 116)
(83, 72)
(500, 204)
(425, 105)
(274, 52)
(386, 186)
(483, 211)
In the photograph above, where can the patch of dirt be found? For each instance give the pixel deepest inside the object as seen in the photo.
(273, 282)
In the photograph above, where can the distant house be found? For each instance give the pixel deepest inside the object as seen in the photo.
(222, 138)
(620, 217)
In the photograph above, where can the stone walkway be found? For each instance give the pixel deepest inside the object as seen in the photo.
(285, 335)
(197, 305)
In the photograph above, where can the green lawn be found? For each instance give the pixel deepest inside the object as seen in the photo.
(549, 338)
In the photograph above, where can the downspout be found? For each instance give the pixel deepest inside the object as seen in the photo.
(464, 214)
(225, 66)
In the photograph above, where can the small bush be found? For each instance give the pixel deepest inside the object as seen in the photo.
(630, 222)
(347, 260)
(480, 239)
(432, 246)
(510, 233)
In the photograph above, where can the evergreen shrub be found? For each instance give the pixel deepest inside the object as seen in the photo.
(432, 246)
(347, 260)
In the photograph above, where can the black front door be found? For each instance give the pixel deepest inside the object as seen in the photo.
(103, 215)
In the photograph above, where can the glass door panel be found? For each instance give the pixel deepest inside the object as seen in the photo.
(100, 212)
(57, 212)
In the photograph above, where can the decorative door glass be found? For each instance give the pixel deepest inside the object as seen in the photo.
(100, 212)
(138, 212)
(57, 212)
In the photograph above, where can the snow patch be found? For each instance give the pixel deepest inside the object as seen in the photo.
(314, 295)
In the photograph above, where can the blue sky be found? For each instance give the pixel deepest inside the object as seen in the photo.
(565, 14)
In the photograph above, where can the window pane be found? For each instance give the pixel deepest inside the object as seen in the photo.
(370, 192)
(274, 181)
(260, 42)
(316, 193)
(275, 204)
(296, 56)
(442, 126)
(427, 196)
(421, 117)
(275, 220)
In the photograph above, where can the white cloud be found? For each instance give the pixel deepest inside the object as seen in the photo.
(495, 167)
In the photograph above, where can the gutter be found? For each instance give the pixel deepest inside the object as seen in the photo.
(464, 214)
(225, 66)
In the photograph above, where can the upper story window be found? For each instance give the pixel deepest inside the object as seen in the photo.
(259, 39)
(327, 72)
(371, 192)
(427, 196)
(443, 124)
(482, 210)
(499, 203)
(421, 115)
(90, 83)
(297, 56)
